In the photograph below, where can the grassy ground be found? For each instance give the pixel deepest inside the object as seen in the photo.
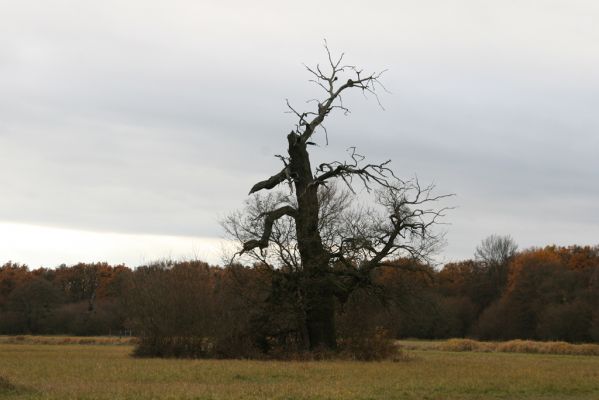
(49, 371)
(58, 339)
(511, 346)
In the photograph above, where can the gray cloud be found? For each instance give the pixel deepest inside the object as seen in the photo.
(143, 117)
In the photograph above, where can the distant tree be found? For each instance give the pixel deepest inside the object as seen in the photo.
(12, 275)
(324, 262)
(468, 289)
(496, 250)
(80, 282)
(495, 253)
(32, 305)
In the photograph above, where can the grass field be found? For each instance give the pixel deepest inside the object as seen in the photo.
(53, 371)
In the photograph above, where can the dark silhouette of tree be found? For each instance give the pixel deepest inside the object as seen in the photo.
(331, 260)
(494, 254)
(496, 250)
(34, 303)
(12, 275)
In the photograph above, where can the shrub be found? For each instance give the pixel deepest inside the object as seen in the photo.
(77, 319)
(171, 309)
(172, 346)
(464, 345)
(376, 346)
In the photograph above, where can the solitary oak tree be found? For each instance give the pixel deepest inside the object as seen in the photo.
(330, 246)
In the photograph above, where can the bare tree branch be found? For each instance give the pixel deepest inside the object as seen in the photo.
(328, 82)
(271, 182)
(380, 174)
(406, 231)
(269, 219)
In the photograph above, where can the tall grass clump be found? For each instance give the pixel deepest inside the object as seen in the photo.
(563, 348)
(462, 345)
(519, 346)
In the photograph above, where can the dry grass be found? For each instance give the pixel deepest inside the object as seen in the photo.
(463, 345)
(528, 346)
(109, 372)
(512, 346)
(5, 385)
(67, 340)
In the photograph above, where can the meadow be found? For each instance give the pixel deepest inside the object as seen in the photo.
(44, 370)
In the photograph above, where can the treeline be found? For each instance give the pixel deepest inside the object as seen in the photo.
(83, 299)
(550, 293)
(545, 294)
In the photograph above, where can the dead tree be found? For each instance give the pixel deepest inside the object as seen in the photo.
(333, 261)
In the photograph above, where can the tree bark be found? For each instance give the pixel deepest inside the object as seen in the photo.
(319, 295)
(320, 314)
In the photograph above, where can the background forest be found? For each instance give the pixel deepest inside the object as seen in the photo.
(191, 308)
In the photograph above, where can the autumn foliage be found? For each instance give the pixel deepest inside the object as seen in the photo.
(192, 309)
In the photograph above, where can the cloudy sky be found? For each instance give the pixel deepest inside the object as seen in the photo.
(128, 128)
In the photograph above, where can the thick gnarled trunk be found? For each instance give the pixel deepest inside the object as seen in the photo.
(319, 300)
(320, 315)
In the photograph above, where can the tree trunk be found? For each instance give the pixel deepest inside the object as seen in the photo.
(319, 302)
(320, 315)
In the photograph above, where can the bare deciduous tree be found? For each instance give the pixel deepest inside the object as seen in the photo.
(496, 250)
(495, 253)
(316, 231)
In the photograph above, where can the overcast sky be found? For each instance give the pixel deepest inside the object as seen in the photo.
(128, 128)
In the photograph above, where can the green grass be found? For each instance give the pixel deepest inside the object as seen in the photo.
(47, 371)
